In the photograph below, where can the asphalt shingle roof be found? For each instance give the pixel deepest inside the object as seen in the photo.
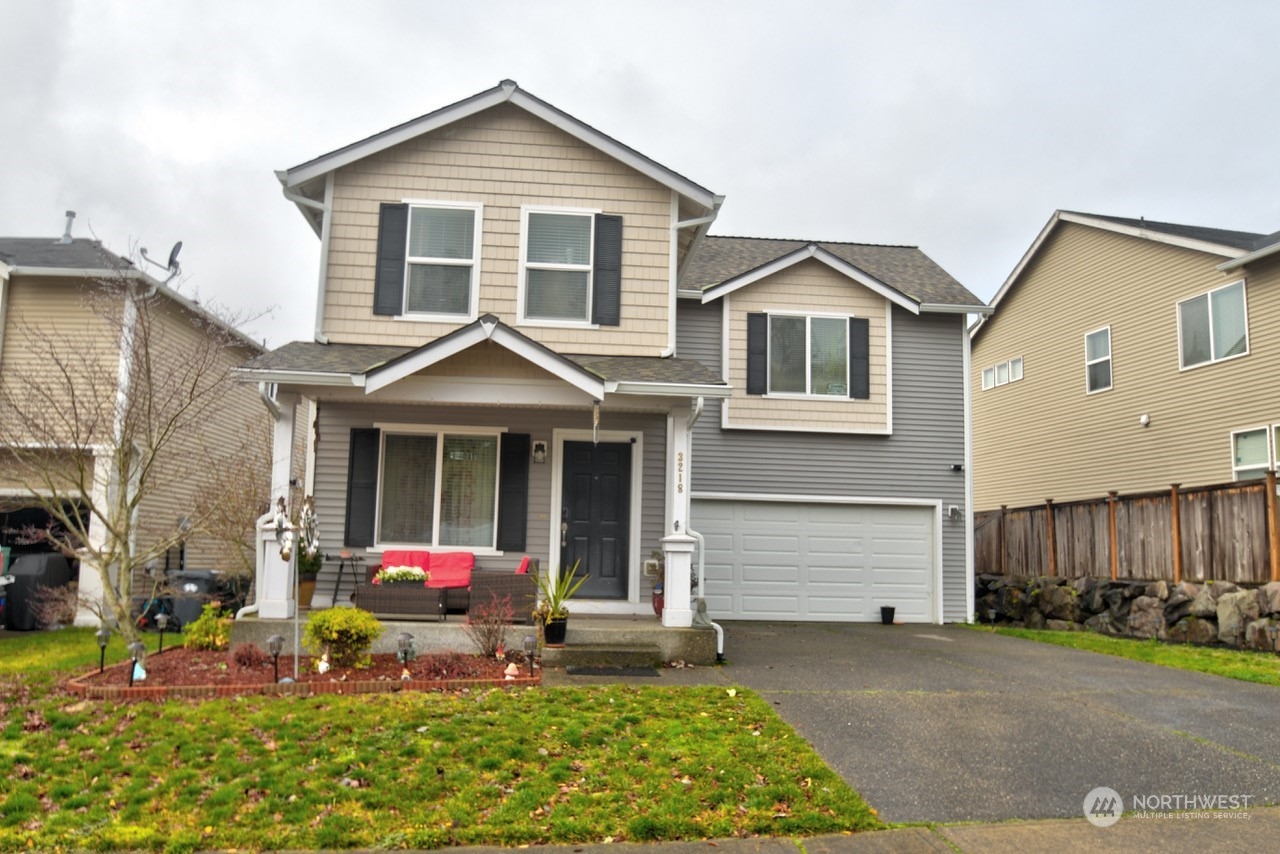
(904, 268)
(51, 253)
(311, 357)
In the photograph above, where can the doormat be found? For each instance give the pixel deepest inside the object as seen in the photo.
(574, 670)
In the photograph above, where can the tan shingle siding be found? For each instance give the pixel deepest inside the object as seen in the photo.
(502, 158)
(807, 286)
(1044, 437)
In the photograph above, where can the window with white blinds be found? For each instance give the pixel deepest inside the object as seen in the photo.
(1213, 326)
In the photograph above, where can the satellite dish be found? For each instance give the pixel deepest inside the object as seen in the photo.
(172, 267)
(173, 256)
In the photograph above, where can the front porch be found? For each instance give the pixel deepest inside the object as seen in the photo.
(691, 645)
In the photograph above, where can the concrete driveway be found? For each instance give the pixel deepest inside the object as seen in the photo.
(946, 724)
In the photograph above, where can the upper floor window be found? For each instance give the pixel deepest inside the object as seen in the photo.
(441, 260)
(1097, 360)
(813, 355)
(428, 260)
(571, 263)
(1002, 374)
(1213, 326)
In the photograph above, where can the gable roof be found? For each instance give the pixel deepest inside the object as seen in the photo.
(43, 254)
(1237, 246)
(508, 91)
(374, 366)
(903, 274)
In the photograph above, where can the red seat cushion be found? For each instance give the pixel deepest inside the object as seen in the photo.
(420, 559)
(451, 569)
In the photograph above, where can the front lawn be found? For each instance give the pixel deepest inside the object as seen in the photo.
(1245, 665)
(401, 770)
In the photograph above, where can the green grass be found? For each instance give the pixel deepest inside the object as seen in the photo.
(392, 771)
(1245, 665)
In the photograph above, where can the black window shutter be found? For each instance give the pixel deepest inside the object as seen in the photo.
(362, 487)
(757, 353)
(513, 492)
(606, 278)
(388, 285)
(859, 359)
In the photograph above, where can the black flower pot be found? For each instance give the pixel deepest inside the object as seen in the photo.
(553, 631)
(886, 614)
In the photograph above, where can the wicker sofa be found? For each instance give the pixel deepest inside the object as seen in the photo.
(454, 585)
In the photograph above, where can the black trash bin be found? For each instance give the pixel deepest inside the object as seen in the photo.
(191, 590)
(30, 573)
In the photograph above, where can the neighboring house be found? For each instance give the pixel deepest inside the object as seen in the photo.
(526, 343)
(54, 288)
(1127, 355)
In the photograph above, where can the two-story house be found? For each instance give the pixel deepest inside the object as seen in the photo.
(526, 343)
(1127, 355)
(73, 353)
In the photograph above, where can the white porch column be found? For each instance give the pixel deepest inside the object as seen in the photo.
(90, 590)
(275, 576)
(678, 546)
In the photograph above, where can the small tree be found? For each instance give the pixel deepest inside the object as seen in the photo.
(116, 413)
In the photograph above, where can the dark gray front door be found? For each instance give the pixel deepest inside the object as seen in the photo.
(596, 516)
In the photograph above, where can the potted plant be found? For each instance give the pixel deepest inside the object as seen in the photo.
(555, 589)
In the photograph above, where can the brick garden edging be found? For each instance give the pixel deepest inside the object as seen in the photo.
(78, 686)
(1216, 612)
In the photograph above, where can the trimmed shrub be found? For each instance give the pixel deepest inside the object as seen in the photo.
(347, 633)
(212, 630)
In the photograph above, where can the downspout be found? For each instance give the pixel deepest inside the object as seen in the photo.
(264, 392)
(703, 223)
(700, 606)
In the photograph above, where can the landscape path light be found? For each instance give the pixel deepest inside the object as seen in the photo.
(162, 622)
(530, 644)
(404, 643)
(275, 646)
(103, 635)
(137, 651)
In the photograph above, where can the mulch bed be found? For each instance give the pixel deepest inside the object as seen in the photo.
(182, 672)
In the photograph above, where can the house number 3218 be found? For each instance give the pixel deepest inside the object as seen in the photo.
(680, 471)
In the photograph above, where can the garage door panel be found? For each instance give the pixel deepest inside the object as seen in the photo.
(827, 561)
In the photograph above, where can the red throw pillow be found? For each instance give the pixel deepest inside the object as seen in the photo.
(523, 568)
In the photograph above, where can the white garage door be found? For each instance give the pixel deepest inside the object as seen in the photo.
(779, 560)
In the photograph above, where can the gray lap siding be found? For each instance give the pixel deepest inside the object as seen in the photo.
(914, 462)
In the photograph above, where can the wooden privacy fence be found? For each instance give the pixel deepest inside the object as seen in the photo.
(1226, 532)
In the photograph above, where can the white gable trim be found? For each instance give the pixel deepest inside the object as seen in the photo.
(817, 253)
(467, 337)
(505, 91)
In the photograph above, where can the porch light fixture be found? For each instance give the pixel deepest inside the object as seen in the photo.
(275, 646)
(138, 652)
(162, 622)
(103, 635)
(539, 452)
(530, 644)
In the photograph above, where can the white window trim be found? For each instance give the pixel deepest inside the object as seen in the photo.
(991, 372)
(1111, 365)
(473, 309)
(1021, 366)
(994, 371)
(1269, 430)
(438, 430)
(1177, 311)
(808, 356)
(521, 318)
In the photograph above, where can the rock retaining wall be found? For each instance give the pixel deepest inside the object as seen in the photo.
(1216, 612)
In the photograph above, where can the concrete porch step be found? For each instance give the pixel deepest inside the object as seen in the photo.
(603, 655)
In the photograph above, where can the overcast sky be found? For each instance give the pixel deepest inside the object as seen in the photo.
(955, 126)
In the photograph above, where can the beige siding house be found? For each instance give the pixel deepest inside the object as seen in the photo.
(496, 369)
(1127, 355)
(53, 297)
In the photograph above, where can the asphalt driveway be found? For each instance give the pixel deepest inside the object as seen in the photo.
(946, 724)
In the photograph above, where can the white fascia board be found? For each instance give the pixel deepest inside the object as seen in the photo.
(506, 91)
(466, 338)
(940, 308)
(5, 269)
(804, 253)
(1258, 254)
(308, 378)
(689, 294)
(669, 389)
(1150, 234)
